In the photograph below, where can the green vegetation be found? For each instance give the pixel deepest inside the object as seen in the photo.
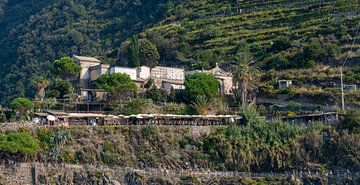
(201, 105)
(41, 83)
(256, 146)
(352, 122)
(59, 88)
(116, 84)
(65, 67)
(245, 77)
(134, 52)
(200, 84)
(281, 35)
(304, 33)
(21, 106)
(16, 143)
(133, 107)
(45, 31)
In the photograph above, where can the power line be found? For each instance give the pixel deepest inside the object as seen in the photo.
(352, 46)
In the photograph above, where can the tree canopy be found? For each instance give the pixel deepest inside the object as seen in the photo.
(115, 83)
(22, 104)
(65, 66)
(19, 142)
(134, 52)
(202, 84)
(149, 53)
(60, 88)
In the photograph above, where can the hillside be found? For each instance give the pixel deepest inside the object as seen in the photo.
(34, 33)
(184, 154)
(190, 33)
(212, 31)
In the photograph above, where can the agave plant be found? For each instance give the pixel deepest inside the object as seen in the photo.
(201, 105)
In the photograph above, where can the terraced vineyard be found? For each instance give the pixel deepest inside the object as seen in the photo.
(219, 26)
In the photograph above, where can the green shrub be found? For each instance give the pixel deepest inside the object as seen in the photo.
(2, 118)
(67, 156)
(110, 158)
(136, 106)
(157, 95)
(173, 108)
(352, 122)
(149, 132)
(17, 142)
(201, 84)
(44, 136)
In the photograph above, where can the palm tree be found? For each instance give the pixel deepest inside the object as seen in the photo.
(201, 105)
(41, 84)
(244, 77)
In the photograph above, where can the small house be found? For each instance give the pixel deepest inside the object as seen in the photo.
(283, 84)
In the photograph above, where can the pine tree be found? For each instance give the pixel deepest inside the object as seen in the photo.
(134, 52)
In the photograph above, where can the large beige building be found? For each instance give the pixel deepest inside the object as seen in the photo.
(91, 69)
(167, 78)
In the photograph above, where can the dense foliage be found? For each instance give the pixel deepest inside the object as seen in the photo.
(22, 104)
(191, 33)
(18, 143)
(201, 84)
(35, 33)
(114, 83)
(65, 66)
(281, 34)
(256, 146)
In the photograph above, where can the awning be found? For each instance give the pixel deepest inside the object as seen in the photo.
(51, 118)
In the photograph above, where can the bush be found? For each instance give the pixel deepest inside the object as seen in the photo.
(15, 143)
(65, 66)
(149, 132)
(157, 95)
(22, 104)
(173, 108)
(281, 43)
(136, 106)
(352, 122)
(201, 84)
(115, 83)
(2, 118)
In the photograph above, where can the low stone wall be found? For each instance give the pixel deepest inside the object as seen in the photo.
(60, 174)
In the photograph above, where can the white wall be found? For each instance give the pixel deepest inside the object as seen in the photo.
(144, 72)
(132, 72)
(85, 74)
(168, 73)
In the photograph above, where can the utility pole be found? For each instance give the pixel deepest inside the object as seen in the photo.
(342, 67)
(342, 89)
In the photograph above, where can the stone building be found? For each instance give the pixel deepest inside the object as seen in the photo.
(283, 84)
(97, 71)
(168, 78)
(91, 69)
(225, 78)
(139, 75)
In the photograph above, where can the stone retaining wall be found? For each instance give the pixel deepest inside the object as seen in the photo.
(60, 174)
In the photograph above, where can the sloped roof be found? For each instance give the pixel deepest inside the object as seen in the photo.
(87, 59)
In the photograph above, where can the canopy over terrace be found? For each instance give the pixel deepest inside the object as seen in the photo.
(171, 119)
